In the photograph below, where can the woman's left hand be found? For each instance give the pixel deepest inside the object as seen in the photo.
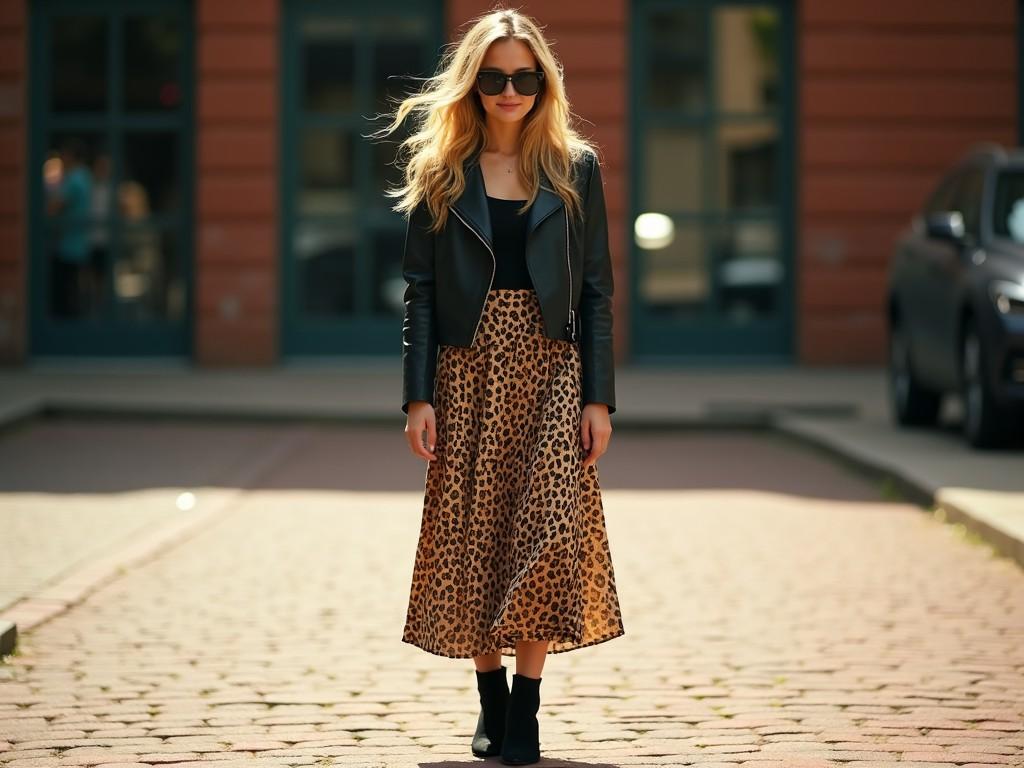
(596, 431)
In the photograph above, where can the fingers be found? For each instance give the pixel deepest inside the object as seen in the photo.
(598, 436)
(431, 435)
(414, 432)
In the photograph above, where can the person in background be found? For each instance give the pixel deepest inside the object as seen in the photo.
(71, 204)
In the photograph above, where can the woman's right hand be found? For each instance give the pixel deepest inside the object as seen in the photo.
(421, 419)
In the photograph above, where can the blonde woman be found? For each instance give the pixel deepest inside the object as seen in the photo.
(508, 371)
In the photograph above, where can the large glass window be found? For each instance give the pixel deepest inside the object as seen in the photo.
(341, 249)
(710, 204)
(111, 154)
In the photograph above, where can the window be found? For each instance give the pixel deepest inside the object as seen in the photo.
(342, 244)
(111, 151)
(711, 105)
(1008, 204)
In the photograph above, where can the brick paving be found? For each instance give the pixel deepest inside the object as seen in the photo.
(95, 470)
(778, 612)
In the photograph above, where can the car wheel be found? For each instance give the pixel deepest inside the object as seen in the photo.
(911, 403)
(984, 421)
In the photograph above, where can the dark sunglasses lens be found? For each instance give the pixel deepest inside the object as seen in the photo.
(526, 83)
(491, 83)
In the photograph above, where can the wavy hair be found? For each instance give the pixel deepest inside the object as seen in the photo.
(450, 123)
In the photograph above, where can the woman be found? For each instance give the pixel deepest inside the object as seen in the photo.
(508, 371)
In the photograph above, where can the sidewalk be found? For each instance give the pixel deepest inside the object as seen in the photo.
(839, 410)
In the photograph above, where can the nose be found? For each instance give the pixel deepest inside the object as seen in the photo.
(509, 89)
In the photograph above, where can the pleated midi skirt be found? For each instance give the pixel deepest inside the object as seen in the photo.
(512, 542)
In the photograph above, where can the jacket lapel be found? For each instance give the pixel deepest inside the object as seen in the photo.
(472, 204)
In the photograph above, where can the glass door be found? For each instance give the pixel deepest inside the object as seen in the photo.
(711, 223)
(110, 215)
(341, 246)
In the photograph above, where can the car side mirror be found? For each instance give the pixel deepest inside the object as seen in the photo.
(945, 225)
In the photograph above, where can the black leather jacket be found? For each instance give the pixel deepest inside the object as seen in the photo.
(449, 274)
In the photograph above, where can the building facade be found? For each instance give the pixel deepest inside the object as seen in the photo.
(193, 179)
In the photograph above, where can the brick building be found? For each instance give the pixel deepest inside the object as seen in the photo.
(760, 159)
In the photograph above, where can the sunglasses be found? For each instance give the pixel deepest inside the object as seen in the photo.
(526, 82)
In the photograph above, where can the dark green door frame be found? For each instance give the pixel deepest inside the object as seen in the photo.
(108, 335)
(706, 338)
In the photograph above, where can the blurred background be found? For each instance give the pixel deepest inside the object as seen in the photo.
(190, 180)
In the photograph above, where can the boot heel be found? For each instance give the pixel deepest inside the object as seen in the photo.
(522, 733)
(490, 725)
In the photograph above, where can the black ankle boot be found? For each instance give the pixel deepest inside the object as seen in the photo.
(490, 726)
(522, 739)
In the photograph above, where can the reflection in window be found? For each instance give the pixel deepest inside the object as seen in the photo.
(112, 226)
(674, 169)
(748, 269)
(148, 277)
(352, 68)
(731, 268)
(677, 67)
(328, 64)
(325, 259)
(1008, 207)
(79, 63)
(151, 174)
(745, 45)
(76, 185)
(711, 141)
(327, 174)
(152, 62)
(746, 58)
(675, 279)
(746, 164)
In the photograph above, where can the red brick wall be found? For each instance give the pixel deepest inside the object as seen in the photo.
(237, 281)
(590, 40)
(13, 205)
(890, 93)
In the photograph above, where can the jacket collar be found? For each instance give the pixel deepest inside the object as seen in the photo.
(472, 203)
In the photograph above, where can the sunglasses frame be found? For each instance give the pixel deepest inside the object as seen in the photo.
(539, 73)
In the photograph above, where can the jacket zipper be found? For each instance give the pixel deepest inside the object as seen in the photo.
(568, 266)
(494, 268)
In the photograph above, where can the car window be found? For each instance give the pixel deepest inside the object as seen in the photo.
(967, 200)
(1008, 204)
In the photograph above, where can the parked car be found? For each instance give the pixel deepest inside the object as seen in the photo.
(956, 300)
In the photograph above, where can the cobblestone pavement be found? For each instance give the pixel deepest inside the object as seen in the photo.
(778, 612)
(96, 472)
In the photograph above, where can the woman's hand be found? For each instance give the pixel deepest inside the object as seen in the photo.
(421, 419)
(596, 431)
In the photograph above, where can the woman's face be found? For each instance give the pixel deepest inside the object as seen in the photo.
(508, 56)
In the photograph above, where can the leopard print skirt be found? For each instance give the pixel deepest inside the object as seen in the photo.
(512, 542)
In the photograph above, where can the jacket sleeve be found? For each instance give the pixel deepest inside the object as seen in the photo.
(419, 326)
(596, 347)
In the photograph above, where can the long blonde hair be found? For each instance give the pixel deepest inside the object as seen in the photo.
(450, 123)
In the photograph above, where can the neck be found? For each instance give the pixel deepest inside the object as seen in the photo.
(502, 138)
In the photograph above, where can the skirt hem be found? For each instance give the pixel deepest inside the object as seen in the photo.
(437, 651)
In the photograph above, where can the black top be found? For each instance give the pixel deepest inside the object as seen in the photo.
(509, 232)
